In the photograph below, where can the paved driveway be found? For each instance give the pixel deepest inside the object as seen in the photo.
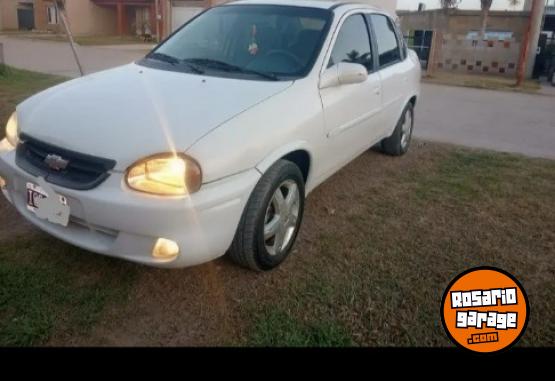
(56, 57)
(501, 121)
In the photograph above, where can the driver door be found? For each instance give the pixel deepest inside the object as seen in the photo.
(352, 111)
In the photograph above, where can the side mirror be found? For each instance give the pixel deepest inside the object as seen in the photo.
(343, 73)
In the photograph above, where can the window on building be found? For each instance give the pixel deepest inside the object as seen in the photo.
(52, 14)
(352, 44)
(386, 37)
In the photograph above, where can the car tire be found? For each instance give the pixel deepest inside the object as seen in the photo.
(399, 142)
(271, 220)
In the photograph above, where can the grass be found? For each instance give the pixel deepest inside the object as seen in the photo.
(376, 274)
(16, 85)
(380, 242)
(46, 286)
(482, 81)
(279, 329)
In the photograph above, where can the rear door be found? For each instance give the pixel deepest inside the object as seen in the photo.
(394, 68)
(351, 110)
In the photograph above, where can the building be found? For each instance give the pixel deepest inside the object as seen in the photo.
(548, 27)
(113, 17)
(104, 17)
(460, 47)
(546, 43)
(182, 11)
(16, 14)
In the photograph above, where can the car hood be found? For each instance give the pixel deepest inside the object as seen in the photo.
(132, 111)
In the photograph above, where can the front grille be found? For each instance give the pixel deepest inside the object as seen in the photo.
(82, 172)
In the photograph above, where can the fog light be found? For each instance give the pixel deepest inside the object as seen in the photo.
(165, 249)
(2, 183)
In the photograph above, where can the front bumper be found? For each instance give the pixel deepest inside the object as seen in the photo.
(113, 220)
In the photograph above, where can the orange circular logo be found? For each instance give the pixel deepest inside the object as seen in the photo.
(485, 310)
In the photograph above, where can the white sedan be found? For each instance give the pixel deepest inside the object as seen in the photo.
(210, 144)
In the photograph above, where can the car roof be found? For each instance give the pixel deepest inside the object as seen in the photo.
(323, 4)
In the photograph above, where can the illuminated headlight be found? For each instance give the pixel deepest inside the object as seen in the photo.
(12, 131)
(165, 174)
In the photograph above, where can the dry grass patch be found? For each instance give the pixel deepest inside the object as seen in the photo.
(380, 241)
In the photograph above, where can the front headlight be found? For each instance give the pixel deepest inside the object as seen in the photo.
(166, 174)
(12, 131)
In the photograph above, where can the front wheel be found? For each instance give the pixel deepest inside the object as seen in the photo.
(399, 142)
(271, 220)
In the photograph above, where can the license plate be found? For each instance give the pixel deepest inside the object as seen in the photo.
(57, 212)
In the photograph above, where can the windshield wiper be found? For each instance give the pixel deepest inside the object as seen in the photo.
(230, 68)
(163, 57)
(174, 61)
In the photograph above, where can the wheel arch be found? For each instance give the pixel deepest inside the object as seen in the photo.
(298, 153)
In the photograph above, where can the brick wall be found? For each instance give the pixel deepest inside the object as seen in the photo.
(458, 52)
(473, 56)
(8, 15)
(87, 18)
(461, 22)
(41, 17)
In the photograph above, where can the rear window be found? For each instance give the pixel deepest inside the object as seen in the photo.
(386, 38)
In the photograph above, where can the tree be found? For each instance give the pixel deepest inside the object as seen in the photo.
(486, 6)
(446, 4)
(514, 3)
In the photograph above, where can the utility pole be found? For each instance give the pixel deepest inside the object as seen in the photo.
(530, 42)
(69, 35)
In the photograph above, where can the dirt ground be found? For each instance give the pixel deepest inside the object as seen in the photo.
(374, 255)
(379, 243)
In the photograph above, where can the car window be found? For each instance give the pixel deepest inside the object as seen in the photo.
(235, 40)
(352, 43)
(386, 38)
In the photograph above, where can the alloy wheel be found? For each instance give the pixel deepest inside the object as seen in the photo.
(282, 214)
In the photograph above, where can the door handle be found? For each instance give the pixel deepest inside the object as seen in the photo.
(377, 90)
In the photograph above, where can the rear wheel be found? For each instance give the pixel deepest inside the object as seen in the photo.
(271, 220)
(399, 142)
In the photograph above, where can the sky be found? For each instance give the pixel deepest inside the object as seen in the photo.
(465, 4)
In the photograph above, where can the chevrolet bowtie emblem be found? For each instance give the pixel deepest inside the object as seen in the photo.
(56, 162)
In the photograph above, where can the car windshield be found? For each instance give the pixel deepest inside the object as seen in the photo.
(265, 42)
